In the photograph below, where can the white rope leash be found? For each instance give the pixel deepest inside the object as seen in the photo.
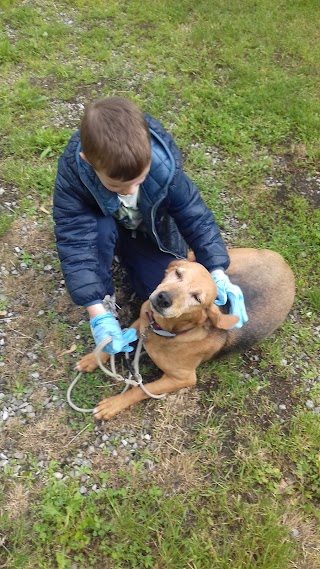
(137, 382)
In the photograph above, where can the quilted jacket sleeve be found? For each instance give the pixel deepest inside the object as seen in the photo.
(76, 221)
(194, 220)
(196, 223)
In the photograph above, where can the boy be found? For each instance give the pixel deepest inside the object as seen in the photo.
(120, 188)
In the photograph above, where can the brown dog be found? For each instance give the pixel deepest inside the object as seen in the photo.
(182, 305)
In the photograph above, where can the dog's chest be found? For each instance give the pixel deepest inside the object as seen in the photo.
(162, 351)
(174, 351)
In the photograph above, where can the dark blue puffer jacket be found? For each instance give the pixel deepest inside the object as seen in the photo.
(174, 214)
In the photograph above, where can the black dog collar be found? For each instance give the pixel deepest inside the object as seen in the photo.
(158, 330)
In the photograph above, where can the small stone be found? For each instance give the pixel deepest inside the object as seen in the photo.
(147, 437)
(18, 455)
(58, 475)
(40, 334)
(282, 407)
(35, 375)
(32, 356)
(5, 415)
(77, 462)
(309, 404)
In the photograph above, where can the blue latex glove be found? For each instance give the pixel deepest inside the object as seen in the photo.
(231, 292)
(105, 325)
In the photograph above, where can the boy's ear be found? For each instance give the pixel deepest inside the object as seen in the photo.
(83, 156)
(219, 320)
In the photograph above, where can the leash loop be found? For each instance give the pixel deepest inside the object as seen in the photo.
(134, 378)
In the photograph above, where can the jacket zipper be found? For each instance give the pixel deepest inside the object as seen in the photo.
(156, 235)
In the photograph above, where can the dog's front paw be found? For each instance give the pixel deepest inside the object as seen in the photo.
(109, 408)
(89, 362)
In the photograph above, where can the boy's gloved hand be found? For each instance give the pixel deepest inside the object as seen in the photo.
(105, 325)
(231, 292)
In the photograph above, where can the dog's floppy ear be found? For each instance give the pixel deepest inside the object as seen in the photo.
(219, 320)
(191, 256)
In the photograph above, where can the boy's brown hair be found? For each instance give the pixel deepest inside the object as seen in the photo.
(115, 138)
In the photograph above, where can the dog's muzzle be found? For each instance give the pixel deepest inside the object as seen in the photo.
(161, 301)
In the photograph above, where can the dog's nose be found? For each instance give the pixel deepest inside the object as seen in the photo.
(163, 299)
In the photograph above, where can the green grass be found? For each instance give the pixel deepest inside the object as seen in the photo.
(236, 83)
(141, 528)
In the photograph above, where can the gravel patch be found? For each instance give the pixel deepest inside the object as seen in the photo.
(30, 261)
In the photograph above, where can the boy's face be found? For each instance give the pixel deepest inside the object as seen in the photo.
(124, 188)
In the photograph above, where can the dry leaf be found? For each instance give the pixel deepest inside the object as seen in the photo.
(284, 484)
(70, 351)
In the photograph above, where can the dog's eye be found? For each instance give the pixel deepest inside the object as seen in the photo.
(196, 296)
(178, 275)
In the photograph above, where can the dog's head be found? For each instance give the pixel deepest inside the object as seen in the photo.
(188, 292)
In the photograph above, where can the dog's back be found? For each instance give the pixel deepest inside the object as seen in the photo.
(267, 283)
